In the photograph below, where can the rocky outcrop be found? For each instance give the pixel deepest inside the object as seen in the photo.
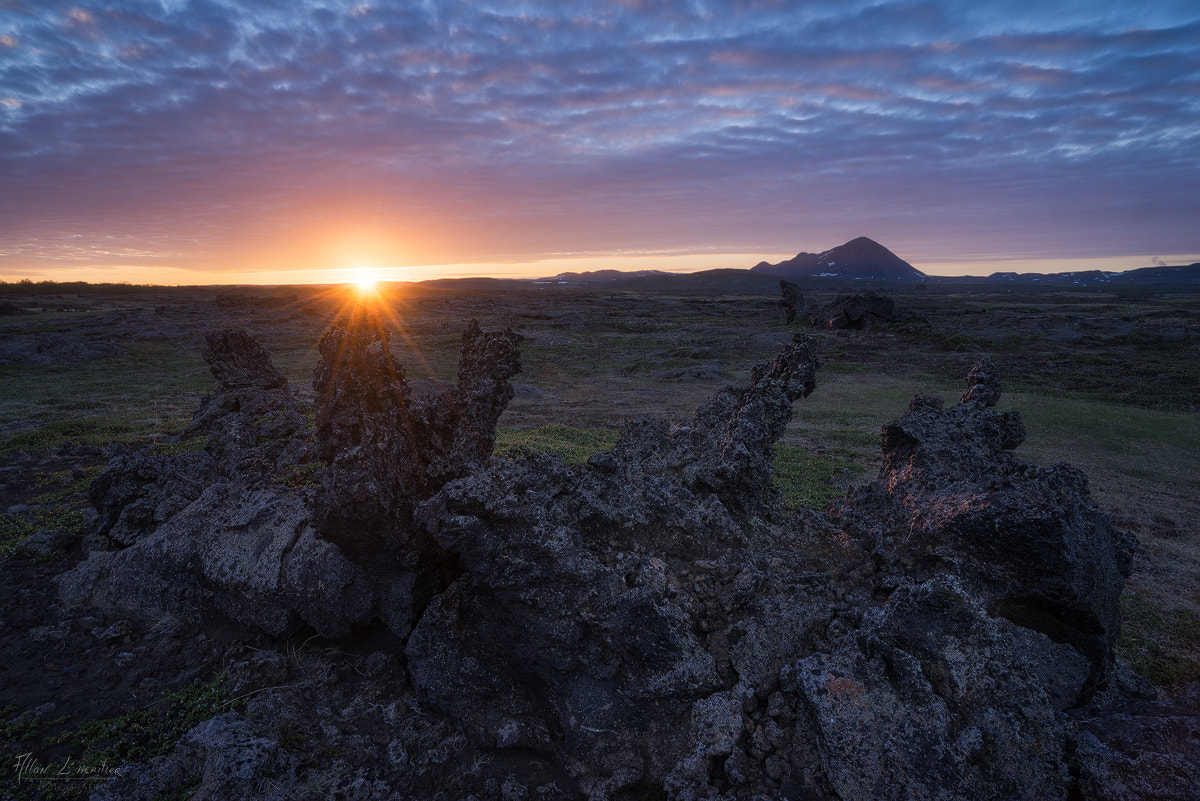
(933, 698)
(250, 386)
(139, 492)
(952, 498)
(390, 444)
(651, 622)
(792, 301)
(854, 311)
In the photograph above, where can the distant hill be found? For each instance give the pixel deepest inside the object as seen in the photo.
(858, 259)
(842, 267)
(598, 277)
(1187, 275)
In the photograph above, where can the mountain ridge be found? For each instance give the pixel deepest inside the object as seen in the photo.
(861, 258)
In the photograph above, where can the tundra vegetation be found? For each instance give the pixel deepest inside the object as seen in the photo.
(239, 685)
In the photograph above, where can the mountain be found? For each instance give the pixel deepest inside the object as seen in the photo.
(1185, 275)
(598, 277)
(860, 258)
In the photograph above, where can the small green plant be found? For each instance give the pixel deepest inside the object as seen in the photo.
(302, 475)
(60, 509)
(14, 530)
(142, 734)
(572, 445)
(17, 727)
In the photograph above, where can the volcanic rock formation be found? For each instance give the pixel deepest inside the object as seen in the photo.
(792, 301)
(853, 311)
(651, 622)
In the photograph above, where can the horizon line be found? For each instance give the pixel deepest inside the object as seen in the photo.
(549, 268)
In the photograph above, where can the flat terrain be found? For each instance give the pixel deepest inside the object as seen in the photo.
(1106, 380)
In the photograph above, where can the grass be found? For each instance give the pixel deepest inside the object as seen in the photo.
(79, 430)
(1112, 442)
(151, 390)
(810, 481)
(572, 445)
(1159, 641)
(61, 508)
(844, 415)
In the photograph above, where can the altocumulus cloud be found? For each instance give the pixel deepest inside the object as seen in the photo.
(179, 131)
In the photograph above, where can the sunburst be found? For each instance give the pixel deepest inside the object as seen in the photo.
(366, 280)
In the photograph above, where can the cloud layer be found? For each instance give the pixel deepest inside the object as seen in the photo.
(206, 133)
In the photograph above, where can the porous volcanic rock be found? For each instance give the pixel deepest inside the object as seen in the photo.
(139, 492)
(854, 311)
(390, 444)
(551, 641)
(792, 301)
(651, 622)
(249, 385)
(952, 497)
(933, 698)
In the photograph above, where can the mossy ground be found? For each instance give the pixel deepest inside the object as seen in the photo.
(61, 506)
(102, 745)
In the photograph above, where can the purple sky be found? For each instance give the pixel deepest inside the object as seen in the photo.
(209, 141)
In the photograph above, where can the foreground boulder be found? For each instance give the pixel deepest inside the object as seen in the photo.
(935, 699)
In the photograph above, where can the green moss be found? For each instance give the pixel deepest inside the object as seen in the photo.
(61, 508)
(302, 475)
(14, 530)
(572, 445)
(103, 745)
(81, 431)
(142, 734)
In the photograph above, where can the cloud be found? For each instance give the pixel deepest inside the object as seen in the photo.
(598, 125)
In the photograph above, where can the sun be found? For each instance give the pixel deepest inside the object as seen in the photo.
(365, 280)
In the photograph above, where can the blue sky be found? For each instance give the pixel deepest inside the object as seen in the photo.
(200, 140)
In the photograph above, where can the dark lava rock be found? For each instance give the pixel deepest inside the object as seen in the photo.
(854, 311)
(249, 385)
(792, 301)
(935, 699)
(390, 444)
(650, 622)
(139, 492)
(951, 497)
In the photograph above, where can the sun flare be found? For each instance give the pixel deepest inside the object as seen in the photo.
(365, 280)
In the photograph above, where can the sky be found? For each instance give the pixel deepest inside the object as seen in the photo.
(294, 141)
